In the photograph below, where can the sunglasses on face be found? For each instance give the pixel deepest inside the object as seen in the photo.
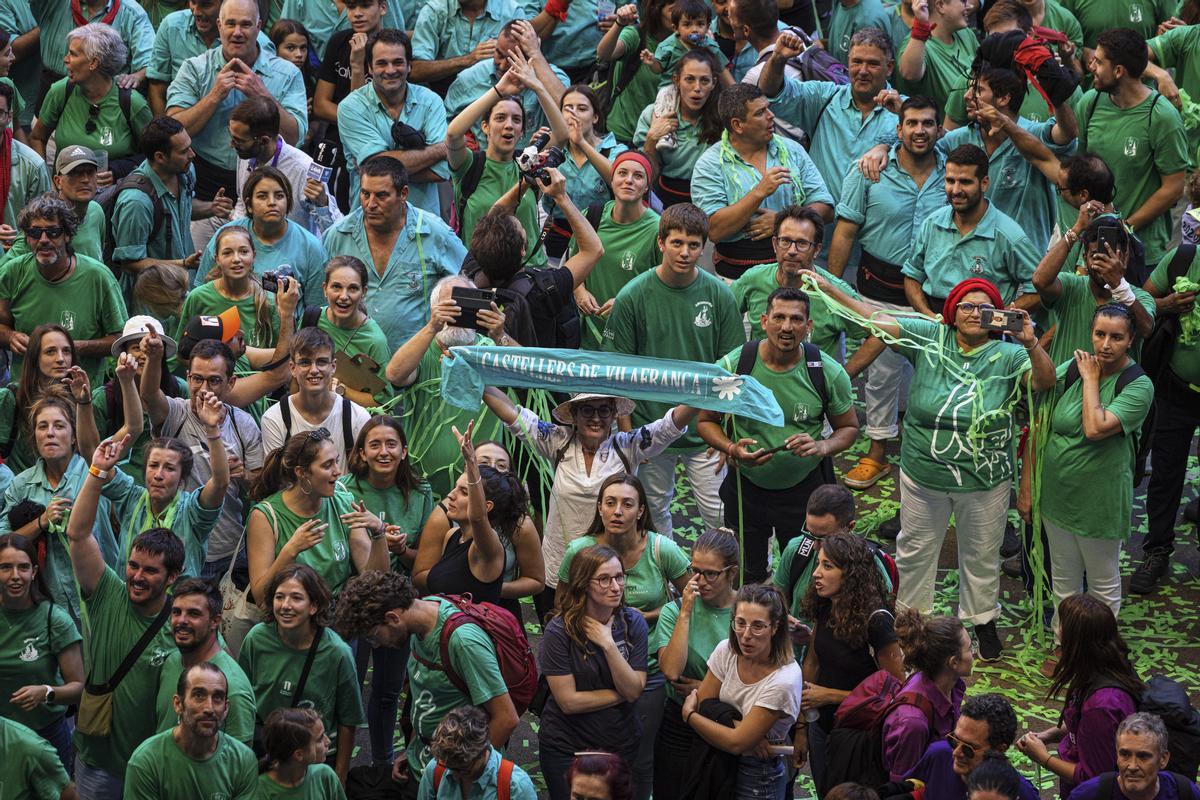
(600, 412)
(969, 750)
(36, 233)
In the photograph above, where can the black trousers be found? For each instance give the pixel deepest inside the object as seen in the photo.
(1176, 417)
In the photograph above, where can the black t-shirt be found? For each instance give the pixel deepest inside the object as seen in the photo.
(843, 667)
(335, 67)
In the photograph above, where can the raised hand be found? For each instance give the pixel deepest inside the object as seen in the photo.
(76, 381)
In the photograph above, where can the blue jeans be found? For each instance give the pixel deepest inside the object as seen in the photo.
(818, 753)
(387, 679)
(93, 783)
(760, 780)
(58, 734)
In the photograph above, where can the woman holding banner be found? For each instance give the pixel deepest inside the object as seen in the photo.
(583, 449)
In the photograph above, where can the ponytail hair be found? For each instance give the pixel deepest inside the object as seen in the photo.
(722, 543)
(510, 505)
(279, 469)
(286, 731)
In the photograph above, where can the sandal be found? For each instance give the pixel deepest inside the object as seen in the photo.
(867, 473)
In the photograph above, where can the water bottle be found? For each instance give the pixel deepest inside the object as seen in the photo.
(605, 9)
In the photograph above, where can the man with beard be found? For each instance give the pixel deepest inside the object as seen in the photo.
(986, 728)
(970, 238)
(54, 284)
(1142, 755)
(1138, 134)
(417, 366)
(882, 219)
(254, 135)
(75, 182)
(778, 468)
(396, 118)
(799, 232)
(842, 122)
(119, 616)
(209, 86)
(195, 621)
(743, 181)
(406, 250)
(195, 759)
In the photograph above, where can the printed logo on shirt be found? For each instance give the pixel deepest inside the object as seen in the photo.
(627, 261)
(1130, 146)
(800, 413)
(1135, 13)
(979, 266)
(286, 689)
(1008, 178)
(845, 44)
(30, 651)
(339, 551)
(68, 320)
(158, 657)
(218, 796)
(106, 135)
(703, 314)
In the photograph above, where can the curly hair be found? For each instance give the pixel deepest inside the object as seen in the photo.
(862, 592)
(928, 642)
(314, 586)
(461, 737)
(49, 206)
(579, 578)
(999, 716)
(365, 599)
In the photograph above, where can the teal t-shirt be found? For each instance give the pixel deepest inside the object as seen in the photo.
(707, 627)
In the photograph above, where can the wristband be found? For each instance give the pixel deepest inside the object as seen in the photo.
(102, 474)
(379, 533)
(87, 402)
(688, 719)
(1071, 236)
(499, 95)
(921, 31)
(1123, 293)
(557, 9)
(212, 438)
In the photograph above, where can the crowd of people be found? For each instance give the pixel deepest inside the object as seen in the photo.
(242, 520)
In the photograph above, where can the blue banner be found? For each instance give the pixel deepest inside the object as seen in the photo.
(468, 370)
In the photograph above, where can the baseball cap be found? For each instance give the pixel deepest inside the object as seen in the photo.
(71, 157)
(223, 327)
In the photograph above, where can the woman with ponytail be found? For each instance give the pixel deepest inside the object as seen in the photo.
(938, 653)
(294, 765)
(486, 508)
(231, 283)
(303, 515)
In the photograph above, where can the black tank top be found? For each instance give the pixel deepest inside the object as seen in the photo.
(452, 573)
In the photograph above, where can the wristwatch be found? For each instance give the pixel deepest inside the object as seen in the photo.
(49, 695)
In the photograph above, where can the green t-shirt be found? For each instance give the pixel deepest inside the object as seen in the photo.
(698, 322)
(88, 303)
(497, 178)
(410, 513)
(1071, 315)
(755, 286)
(801, 411)
(239, 723)
(331, 556)
(708, 627)
(628, 104)
(947, 67)
(939, 450)
(1185, 358)
(30, 641)
(1140, 146)
(13, 428)
(30, 769)
(160, 770)
(116, 627)
(1097, 16)
(1179, 49)
(1090, 483)
(88, 239)
(206, 300)
(473, 657)
(629, 250)
(367, 339)
(274, 671)
(320, 783)
(662, 563)
(110, 131)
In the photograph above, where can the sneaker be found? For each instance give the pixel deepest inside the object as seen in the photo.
(667, 142)
(1149, 573)
(1011, 566)
(1012, 544)
(889, 530)
(990, 648)
(1191, 512)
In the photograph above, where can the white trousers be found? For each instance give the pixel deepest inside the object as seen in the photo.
(1072, 557)
(979, 519)
(658, 476)
(886, 377)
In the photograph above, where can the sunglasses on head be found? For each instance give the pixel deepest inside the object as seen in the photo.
(89, 127)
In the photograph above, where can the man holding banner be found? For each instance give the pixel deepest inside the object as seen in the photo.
(677, 311)
(778, 467)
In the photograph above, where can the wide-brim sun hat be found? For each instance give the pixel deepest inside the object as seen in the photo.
(562, 411)
(135, 330)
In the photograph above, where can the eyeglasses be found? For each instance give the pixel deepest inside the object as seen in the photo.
(307, 363)
(213, 381)
(709, 575)
(971, 308)
(757, 628)
(5, 113)
(969, 750)
(599, 412)
(93, 114)
(803, 245)
(606, 581)
(36, 233)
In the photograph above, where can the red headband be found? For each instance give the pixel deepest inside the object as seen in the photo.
(965, 288)
(633, 155)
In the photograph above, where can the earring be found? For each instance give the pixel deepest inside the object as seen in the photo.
(300, 486)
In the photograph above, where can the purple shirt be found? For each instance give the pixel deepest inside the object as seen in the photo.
(936, 771)
(1168, 789)
(906, 733)
(1091, 740)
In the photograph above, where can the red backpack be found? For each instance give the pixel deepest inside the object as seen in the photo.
(503, 778)
(855, 746)
(513, 653)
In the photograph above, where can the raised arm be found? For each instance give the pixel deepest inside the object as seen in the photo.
(86, 559)
(590, 248)
(402, 368)
(1098, 422)
(152, 393)
(876, 319)
(87, 436)
(770, 80)
(487, 551)
(1045, 277)
(500, 405)
(1031, 148)
(611, 48)
(911, 64)
(211, 413)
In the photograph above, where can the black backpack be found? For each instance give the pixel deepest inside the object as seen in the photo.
(1168, 700)
(134, 181)
(285, 411)
(1159, 345)
(534, 313)
(812, 360)
(1127, 376)
(605, 82)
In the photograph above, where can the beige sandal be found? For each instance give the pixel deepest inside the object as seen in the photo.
(867, 473)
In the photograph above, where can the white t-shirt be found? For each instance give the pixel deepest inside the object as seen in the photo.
(779, 691)
(274, 434)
